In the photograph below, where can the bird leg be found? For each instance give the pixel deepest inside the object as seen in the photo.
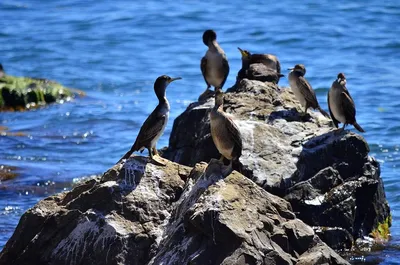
(340, 130)
(227, 169)
(221, 158)
(152, 158)
(155, 151)
(305, 111)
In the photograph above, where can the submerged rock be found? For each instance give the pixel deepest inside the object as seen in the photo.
(141, 213)
(20, 93)
(329, 178)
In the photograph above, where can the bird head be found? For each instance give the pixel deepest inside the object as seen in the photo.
(299, 68)
(161, 84)
(341, 79)
(245, 54)
(209, 36)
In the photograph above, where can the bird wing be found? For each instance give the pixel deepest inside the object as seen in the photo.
(307, 92)
(203, 67)
(348, 106)
(225, 66)
(234, 132)
(278, 66)
(149, 130)
(335, 121)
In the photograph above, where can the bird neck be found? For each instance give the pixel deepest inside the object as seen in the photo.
(162, 100)
(245, 63)
(214, 46)
(218, 104)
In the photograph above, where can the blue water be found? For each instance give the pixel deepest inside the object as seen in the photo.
(114, 50)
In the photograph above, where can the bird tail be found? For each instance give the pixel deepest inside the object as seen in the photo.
(323, 112)
(358, 127)
(126, 156)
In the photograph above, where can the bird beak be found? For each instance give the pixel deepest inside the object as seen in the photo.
(242, 52)
(291, 69)
(173, 79)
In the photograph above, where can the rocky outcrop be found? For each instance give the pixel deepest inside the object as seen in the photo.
(20, 93)
(141, 213)
(331, 182)
(301, 187)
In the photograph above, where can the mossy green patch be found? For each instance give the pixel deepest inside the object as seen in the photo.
(382, 232)
(20, 93)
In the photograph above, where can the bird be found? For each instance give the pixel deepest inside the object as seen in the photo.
(214, 65)
(2, 72)
(269, 60)
(341, 104)
(155, 124)
(303, 90)
(224, 132)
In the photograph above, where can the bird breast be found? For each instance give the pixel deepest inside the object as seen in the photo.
(335, 104)
(220, 134)
(164, 111)
(215, 74)
(296, 89)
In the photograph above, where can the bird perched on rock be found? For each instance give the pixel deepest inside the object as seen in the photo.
(2, 72)
(269, 60)
(214, 65)
(341, 104)
(303, 90)
(224, 132)
(155, 124)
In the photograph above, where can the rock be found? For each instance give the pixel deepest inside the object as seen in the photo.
(329, 178)
(263, 73)
(320, 254)
(141, 213)
(20, 93)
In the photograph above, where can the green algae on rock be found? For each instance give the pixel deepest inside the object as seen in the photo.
(21, 93)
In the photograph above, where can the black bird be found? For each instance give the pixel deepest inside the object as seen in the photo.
(154, 125)
(269, 60)
(341, 104)
(303, 90)
(214, 65)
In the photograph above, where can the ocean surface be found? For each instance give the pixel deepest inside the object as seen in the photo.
(114, 50)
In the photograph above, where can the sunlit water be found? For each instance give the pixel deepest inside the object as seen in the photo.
(114, 50)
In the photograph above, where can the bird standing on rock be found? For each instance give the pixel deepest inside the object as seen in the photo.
(269, 60)
(225, 134)
(303, 90)
(214, 65)
(341, 104)
(155, 124)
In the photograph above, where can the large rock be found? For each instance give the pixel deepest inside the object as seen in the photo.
(141, 213)
(331, 182)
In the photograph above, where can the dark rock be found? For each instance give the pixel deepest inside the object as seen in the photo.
(141, 213)
(320, 254)
(335, 237)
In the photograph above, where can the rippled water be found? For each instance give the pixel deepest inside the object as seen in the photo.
(114, 50)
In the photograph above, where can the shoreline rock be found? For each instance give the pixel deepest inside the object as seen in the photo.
(300, 189)
(141, 213)
(24, 93)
